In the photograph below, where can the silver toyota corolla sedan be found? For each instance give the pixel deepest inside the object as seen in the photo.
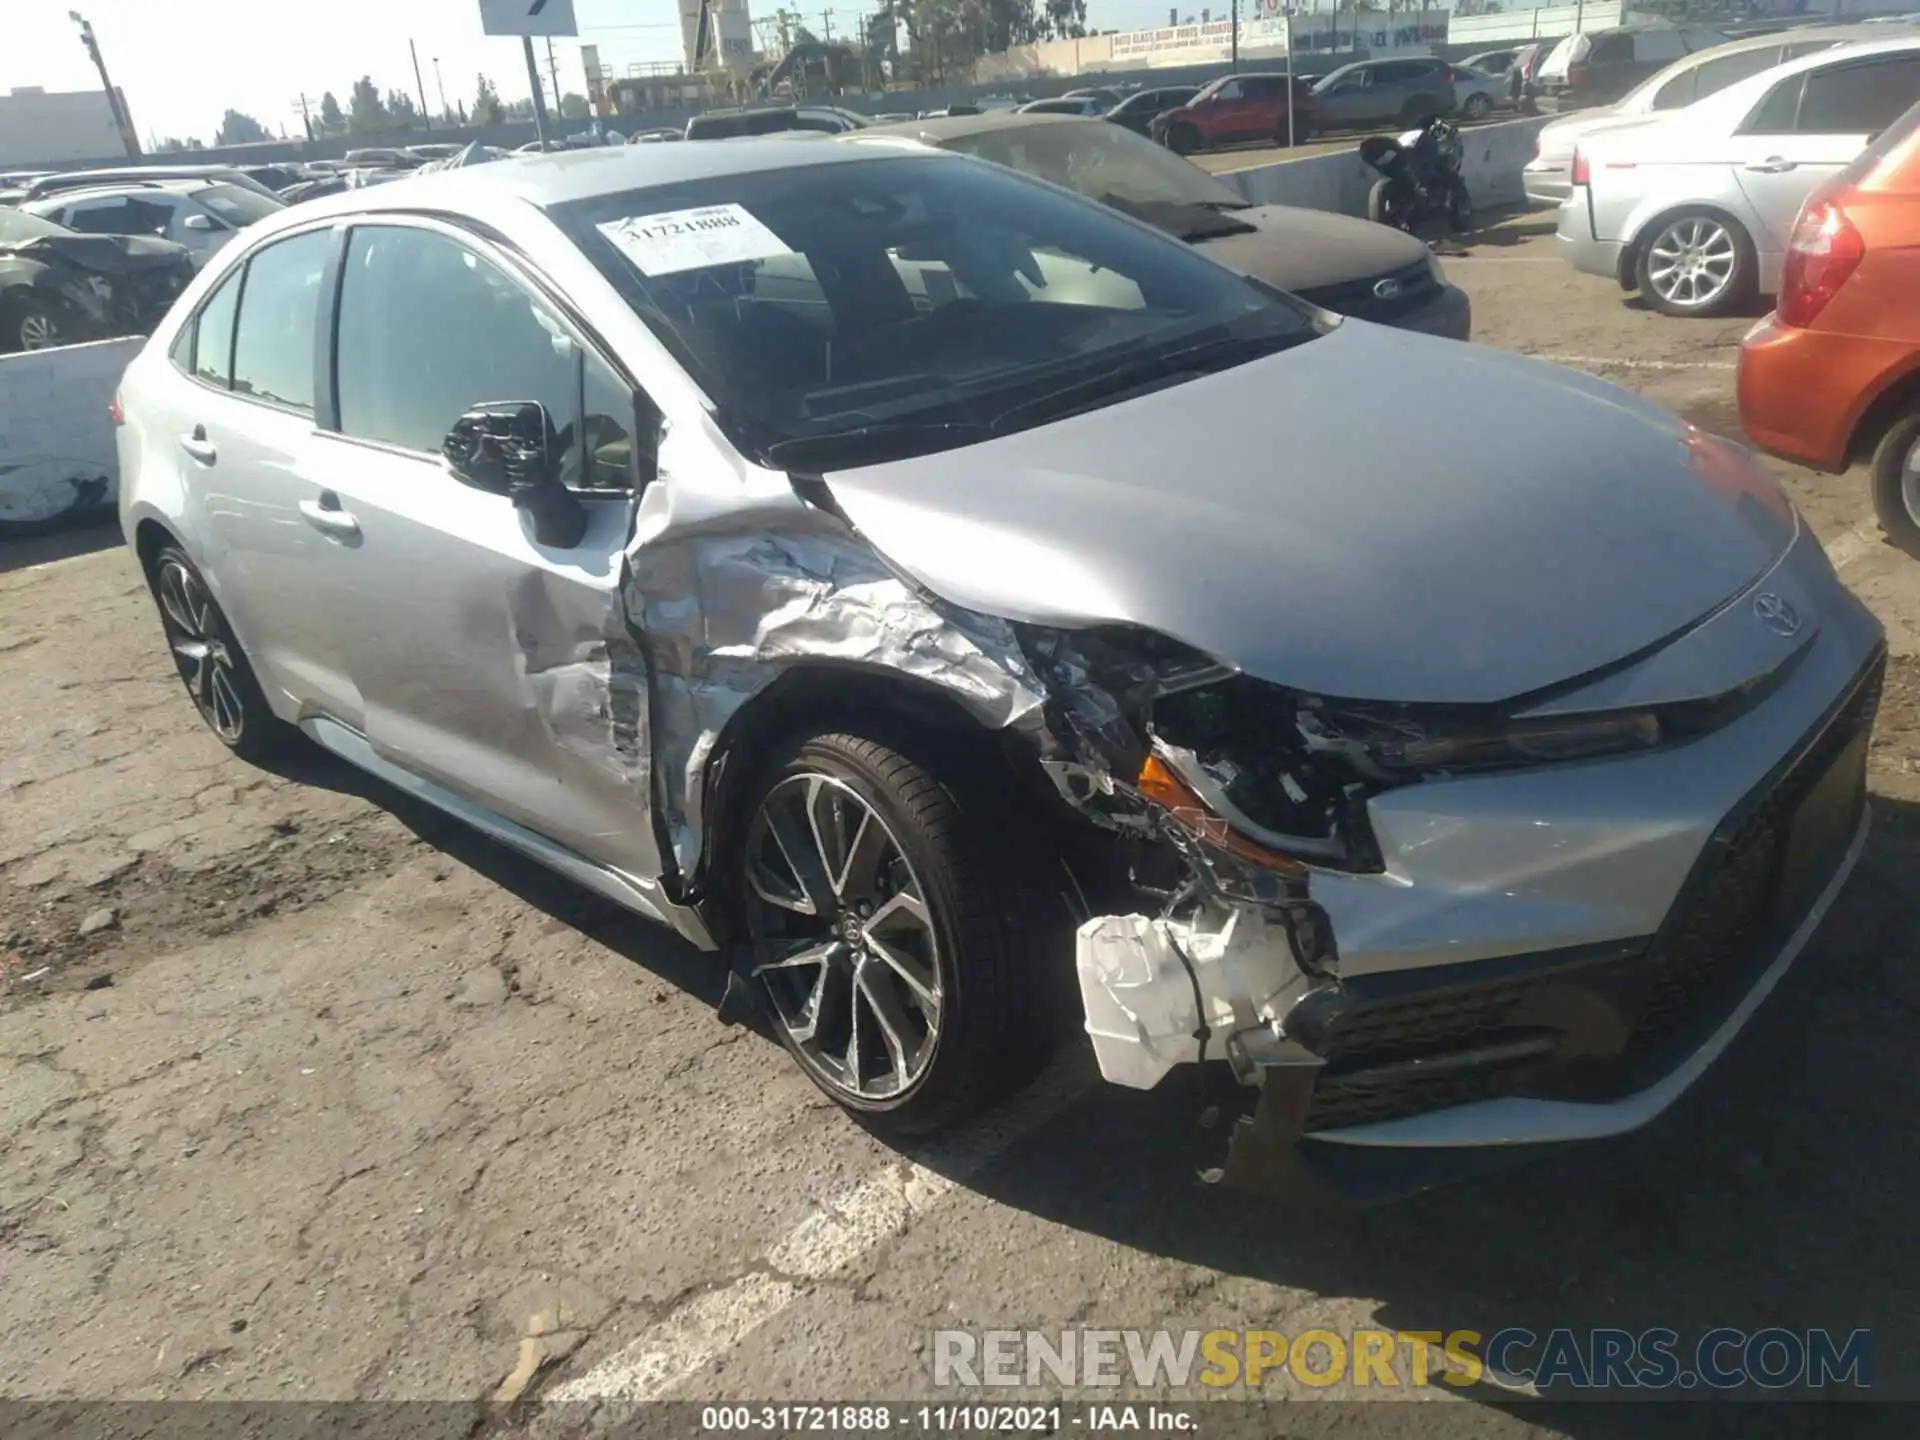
(959, 606)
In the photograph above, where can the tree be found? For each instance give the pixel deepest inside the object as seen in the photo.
(404, 113)
(174, 142)
(365, 110)
(574, 107)
(239, 128)
(486, 104)
(332, 122)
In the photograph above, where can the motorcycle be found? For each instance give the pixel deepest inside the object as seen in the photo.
(1420, 178)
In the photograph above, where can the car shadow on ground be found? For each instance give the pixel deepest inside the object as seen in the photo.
(653, 947)
(21, 552)
(1778, 1192)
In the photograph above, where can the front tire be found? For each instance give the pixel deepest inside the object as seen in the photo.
(1896, 483)
(896, 942)
(1696, 263)
(212, 666)
(28, 324)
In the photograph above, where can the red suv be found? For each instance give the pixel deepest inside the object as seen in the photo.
(1236, 108)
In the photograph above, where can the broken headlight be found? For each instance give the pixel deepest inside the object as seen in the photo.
(1292, 772)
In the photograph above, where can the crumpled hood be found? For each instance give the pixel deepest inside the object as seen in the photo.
(1373, 514)
(102, 254)
(1306, 249)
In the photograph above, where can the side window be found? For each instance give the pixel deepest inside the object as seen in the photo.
(1658, 46)
(1859, 99)
(273, 340)
(1775, 113)
(1717, 75)
(212, 335)
(1232, 90)
(1678, 91)
(101, 217)
(428, 329)
(1615, 49)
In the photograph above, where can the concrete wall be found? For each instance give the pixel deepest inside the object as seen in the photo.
(1491, 166)
(56, 441)
(41, 127)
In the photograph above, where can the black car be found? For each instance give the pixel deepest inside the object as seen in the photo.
(58, 287)
(1136, 112)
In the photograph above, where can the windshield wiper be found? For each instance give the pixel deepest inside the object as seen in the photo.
(1220, 352)
(870, 444)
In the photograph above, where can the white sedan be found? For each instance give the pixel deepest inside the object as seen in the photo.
(1549, 175)
(1693, 209)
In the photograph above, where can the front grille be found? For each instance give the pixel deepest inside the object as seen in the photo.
(1601, 1024)
(1414, 285)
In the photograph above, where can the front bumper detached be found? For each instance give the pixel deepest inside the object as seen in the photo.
(1523, 1050)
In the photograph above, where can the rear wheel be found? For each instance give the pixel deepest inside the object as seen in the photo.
(1183, 139)
(896, 941)
(1696, 263)
(1478, 107)
(1896, 483)
(1384, 207)
(212, 666)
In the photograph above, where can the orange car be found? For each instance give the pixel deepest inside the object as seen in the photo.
(1833, 375)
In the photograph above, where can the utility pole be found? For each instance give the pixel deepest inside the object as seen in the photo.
(826, 26)
(122, 120)
(539, 92)
(441, 86)
(305, 118)
(553, 69)
(1236, 35)
(420, 85)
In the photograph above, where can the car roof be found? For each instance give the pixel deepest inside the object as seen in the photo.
(558, 179)
(1775, 38)
(940, 130)
(171, 185)
(1742, 95)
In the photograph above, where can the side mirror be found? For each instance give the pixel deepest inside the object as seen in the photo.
(197, 221)
(507, 448)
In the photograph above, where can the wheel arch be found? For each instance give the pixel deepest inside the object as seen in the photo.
(1897, 397)
(818, 696)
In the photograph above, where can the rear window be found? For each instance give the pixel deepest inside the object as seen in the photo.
(1889, 140)
(1713, 76)
(1617, 49)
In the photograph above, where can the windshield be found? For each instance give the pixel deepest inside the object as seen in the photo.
(17, 227)
(236, 206)
(1103, 162)
(1334, 77)
(912, 300)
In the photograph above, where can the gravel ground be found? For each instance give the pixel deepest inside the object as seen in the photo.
(307, 1094)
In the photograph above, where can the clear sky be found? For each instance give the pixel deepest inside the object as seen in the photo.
(182, 63)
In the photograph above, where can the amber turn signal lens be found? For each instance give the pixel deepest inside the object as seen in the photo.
(1176, 797)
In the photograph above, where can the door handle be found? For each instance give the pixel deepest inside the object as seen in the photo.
(199, 447)
(326, 516)
(1772, 165)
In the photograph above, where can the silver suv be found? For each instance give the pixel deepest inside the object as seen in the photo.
(937, 593)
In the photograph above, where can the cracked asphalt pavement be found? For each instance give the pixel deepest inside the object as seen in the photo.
(308, 1093)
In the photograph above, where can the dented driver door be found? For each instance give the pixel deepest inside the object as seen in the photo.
(488, 663)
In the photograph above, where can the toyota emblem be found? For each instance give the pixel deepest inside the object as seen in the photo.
(1776, 614)
(1387, 290)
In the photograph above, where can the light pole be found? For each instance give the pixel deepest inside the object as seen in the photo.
(122, 120)
(440, 85)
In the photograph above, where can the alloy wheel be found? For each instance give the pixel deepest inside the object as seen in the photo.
(38, 331)
(846, 945)
(195, 635)
(1691, 263)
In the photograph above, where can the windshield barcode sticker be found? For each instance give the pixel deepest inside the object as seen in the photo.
(677, 240)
